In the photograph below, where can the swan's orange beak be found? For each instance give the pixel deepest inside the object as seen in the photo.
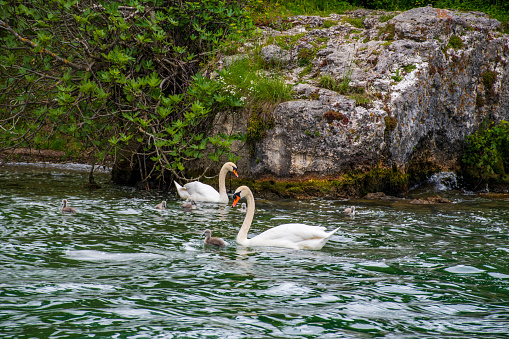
(236, 198)
(235, 172)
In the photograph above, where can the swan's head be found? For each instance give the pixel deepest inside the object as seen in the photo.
(240, 192)
(64, 203)
(207, 233)
(230, 166)
(163, 203)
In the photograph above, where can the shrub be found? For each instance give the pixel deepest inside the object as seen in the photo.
(455, 42)
(115, 77)
(488, 79)
(487, 152)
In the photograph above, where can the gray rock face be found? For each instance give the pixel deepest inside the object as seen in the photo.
(320, 137)
(432, 77)
(273, 54)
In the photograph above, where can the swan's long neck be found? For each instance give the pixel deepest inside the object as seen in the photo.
(222, 184)
(242, 235)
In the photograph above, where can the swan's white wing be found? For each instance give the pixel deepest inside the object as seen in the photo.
(294, 232)
(298, 236)
(199, 191)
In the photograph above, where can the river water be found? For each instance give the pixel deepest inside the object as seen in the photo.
(120, 268)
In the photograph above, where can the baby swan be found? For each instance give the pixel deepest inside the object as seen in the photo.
(67, 209)
(243, 207)
(216, 242)
(189, 205)
(350, 211)
(162, 205)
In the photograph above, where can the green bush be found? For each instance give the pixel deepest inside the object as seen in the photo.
(455, 42)
(487, 152)
(114, 77)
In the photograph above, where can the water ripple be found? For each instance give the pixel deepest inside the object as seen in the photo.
(121, 268)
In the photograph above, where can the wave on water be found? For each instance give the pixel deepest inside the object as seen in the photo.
(444, 181)
(93, 255)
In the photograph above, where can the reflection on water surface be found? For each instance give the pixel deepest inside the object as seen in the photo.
(119, 267)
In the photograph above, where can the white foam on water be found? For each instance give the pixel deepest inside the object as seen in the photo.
(93, 255)
(444, 181)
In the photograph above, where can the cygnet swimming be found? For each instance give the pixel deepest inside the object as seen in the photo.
(190, 205)
(350, 211)
(67, 209)
(216, 242)
(243, 207)
(162, 205)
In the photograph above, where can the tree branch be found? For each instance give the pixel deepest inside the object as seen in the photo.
(29, 42)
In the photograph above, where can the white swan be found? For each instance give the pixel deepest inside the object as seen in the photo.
(199, 191)
(297, 236)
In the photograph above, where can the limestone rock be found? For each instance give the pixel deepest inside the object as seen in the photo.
(418, 84)
(273, 54)
(430, 200)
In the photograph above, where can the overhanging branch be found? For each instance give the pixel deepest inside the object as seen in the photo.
(29, 42)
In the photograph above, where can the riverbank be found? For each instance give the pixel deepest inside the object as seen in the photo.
(48, 158)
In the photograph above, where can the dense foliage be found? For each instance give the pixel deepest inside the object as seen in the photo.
(487, 153)
(102, 78)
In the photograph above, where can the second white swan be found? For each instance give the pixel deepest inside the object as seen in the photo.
(199, 191)
(296, 236)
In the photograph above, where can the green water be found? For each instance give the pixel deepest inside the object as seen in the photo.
(120, 268)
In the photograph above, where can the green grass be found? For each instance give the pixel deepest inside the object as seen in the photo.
(329, 23)
(341, 86)
(274, 13)
(409, 68)
(387, 17)
(315, 7)
(248, 80)
(356, 22)
(326, 81)
(286, 42)
(361, 99)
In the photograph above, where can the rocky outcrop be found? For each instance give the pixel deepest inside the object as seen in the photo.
(322, 136)
(418, 84)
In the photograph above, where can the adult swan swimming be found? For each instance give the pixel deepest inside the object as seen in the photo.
(199, 191)
(297, 236)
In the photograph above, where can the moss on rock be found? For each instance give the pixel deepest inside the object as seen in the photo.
(354, 184)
